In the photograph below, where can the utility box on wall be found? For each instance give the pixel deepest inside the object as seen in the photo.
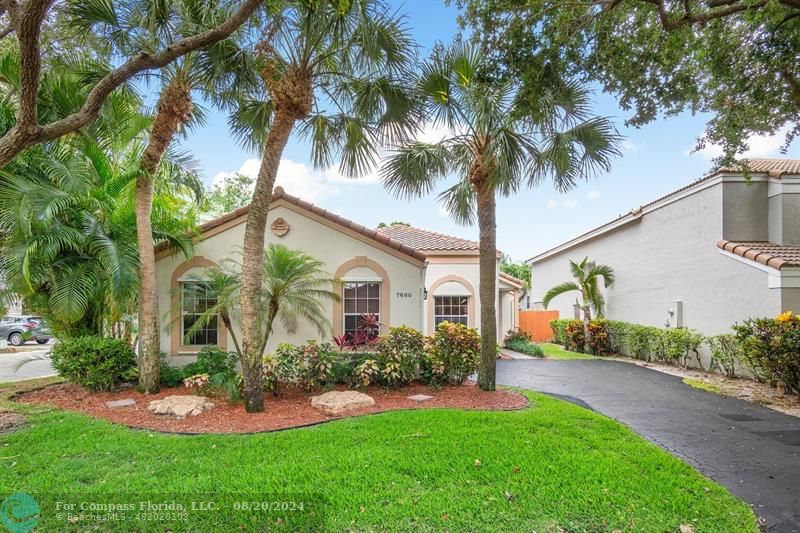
(676, 313)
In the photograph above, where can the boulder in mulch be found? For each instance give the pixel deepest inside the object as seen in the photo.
(180, 406)
(337, 402)
(114, 404)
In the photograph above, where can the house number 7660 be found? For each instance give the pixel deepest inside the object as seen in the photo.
(404, 295)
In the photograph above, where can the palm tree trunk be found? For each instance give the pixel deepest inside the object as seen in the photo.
(587, 320)
(226, 321)
(487, 290)
(253, 259)
(174, 107)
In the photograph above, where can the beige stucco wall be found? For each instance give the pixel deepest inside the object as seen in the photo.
(325, 242)
(670, 254)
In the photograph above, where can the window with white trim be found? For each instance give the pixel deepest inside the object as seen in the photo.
(196, 298)
(451, 309)
(360, 298)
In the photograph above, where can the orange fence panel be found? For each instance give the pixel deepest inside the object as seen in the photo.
(537, 324)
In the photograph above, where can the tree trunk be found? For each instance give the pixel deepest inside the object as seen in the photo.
(253, 259)
(488, 285)
(174, 108)
(587, 333)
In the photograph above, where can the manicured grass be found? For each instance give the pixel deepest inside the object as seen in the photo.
(698, 384)
(551, 467)
(554, 351)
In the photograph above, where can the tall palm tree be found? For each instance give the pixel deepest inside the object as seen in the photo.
(493, 150)
(212, 70)
(294, 289)
(333, 68)
(67, 221)
(587, 275)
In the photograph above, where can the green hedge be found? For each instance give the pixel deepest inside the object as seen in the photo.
(673, 346)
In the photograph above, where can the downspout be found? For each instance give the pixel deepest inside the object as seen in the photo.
(423, 275)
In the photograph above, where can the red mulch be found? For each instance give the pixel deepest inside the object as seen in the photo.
(291, 409)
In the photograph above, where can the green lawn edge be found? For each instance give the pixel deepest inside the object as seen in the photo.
(552, 465)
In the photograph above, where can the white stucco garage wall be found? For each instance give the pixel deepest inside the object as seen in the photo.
(669, 254)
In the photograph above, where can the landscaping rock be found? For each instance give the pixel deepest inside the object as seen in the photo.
(420, 398)
(336, 402)
(120, 403)
(180, 406)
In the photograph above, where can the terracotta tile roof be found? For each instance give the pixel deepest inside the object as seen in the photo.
(773, 255)
(280, 194)
(428, 241)
(512, 280)
(771, 167)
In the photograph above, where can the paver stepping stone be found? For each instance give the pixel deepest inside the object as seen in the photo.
(420, 397)
(120, 403)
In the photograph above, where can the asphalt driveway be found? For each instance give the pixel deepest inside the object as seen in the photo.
(752, 450)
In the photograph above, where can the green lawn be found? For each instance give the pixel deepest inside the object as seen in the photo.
(550, 466)
(554, 351)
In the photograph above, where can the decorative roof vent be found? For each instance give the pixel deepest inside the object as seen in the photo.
(280, 227)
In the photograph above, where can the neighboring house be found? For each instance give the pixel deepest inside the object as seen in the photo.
(405, 275)
(720, 250)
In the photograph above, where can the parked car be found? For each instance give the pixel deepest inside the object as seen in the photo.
(14, 329)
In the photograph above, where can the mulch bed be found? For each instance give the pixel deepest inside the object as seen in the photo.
(291, 409)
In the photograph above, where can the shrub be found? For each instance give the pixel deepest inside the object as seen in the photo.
(724, 354)
(398, 356)
(576, 336)
(452, 353)
(170, 376)
(309, 366)
(95, 363)
(559, 327)
(366, 372)
(770, 348)
(526, 347)
(211, 360)
(516, 335)
(599, 337)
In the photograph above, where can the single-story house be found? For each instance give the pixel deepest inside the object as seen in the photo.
(405, 275)
(719, 250)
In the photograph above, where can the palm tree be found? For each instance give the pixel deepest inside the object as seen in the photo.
(332, 68)
(494, 150)
(212, 70)
(294, 289)
(587, 275)
(67, 222)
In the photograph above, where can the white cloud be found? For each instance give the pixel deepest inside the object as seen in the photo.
(299, 179)
(628, 145)
(758, 146)
(570, 203)
(594, 195)
(552, 204)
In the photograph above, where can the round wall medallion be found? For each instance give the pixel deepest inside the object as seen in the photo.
(280, 227)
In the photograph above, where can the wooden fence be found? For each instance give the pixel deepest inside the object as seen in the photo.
(537, 324)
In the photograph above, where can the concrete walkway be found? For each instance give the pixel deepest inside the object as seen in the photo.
(752, 450)
(39, 367)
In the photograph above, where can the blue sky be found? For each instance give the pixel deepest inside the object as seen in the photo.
(656, 160)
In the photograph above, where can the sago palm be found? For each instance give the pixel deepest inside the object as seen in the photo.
(295, 289)
(587, 275)
(127, 27)
(493, 151)
(333, 68)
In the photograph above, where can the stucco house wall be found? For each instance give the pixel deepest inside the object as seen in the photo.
(401, 278)
(666, 256)
(350, 252)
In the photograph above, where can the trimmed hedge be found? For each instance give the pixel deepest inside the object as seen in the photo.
(770, 347)
(673, 346)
